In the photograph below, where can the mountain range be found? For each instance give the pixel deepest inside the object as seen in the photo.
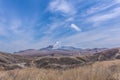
(61, 51)
(66, 58)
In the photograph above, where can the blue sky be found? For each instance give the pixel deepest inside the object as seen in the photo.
(26, 24)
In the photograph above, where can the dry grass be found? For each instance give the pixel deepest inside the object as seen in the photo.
(93, 72)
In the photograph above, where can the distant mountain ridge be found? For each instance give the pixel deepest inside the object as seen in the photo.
(61, 51)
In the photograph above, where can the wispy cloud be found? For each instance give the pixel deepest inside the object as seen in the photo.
(69, 21)
(100, 7)
(95, 38)
(118, 1)
(62, 6)
(75, 27)
(104, 17)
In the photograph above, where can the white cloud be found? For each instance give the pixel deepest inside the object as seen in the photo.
(100, 37)
(104, 17)
(21, 35)
(75, 27)
(100, 7)
(62, 6)
(57, 44)
(53, 26)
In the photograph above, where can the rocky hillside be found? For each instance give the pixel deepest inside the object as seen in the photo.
(110, 54)
(70, 62)
(12, 61)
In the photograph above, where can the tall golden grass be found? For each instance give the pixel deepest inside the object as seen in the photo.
(91, 72)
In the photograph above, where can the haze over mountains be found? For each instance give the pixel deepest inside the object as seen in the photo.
(59, 51)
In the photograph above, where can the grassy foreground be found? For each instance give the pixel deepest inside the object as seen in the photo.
(93, 72)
